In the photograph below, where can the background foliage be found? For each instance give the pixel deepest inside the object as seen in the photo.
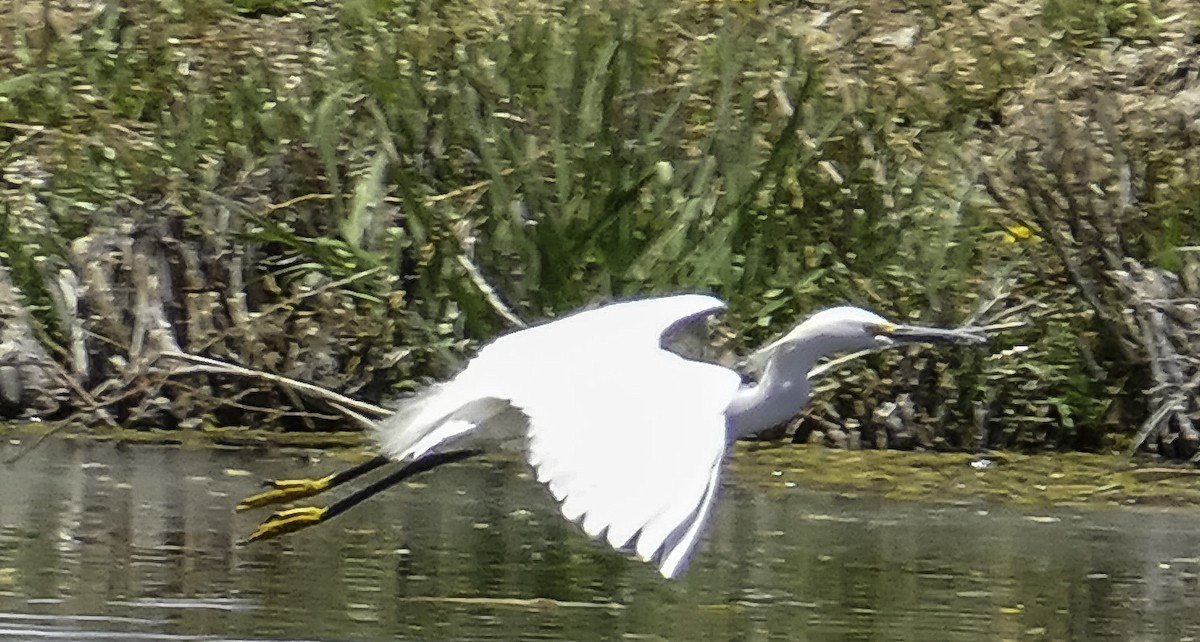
(344, 192)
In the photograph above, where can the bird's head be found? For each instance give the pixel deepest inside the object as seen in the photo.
(849, 329)
(859, 329)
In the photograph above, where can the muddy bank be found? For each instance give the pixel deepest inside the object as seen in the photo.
(1047, 479)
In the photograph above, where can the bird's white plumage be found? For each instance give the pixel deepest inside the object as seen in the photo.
(628, 437)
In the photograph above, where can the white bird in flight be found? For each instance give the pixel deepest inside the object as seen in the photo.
(628, 436)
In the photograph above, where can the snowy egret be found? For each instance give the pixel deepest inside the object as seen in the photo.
(628, 436)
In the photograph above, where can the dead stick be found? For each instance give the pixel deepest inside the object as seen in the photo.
(205, 364)
(366, 423)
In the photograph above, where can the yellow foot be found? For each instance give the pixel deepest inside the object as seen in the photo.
(288, 521)
(285, 490)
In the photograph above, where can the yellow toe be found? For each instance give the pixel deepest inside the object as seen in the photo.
(282, 491)
(288, 521)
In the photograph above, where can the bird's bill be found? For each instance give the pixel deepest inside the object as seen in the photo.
(918, 334)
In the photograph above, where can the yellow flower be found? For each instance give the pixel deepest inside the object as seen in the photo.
(1019, 232)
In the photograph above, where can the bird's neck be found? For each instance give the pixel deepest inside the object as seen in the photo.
(779, 394)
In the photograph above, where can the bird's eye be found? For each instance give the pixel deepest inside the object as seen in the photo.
(882, 333)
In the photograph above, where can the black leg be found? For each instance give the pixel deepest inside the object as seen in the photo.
(343, 476)
(424, 464)
(295, 519)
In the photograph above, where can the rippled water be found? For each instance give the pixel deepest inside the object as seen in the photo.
(100, 542)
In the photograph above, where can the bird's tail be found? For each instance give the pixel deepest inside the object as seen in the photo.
(433, 418)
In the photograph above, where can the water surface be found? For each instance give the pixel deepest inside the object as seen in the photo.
(101, 542)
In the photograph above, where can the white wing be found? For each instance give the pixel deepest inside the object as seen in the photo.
(628, 437)
(454, 411)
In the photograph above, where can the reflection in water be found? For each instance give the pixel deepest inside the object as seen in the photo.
(103, 542)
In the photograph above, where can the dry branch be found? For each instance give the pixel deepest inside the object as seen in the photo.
(213, 366)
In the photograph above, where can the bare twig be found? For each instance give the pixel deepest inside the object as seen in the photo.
(36, 442)
(365, 422)
(1149, 426)
(489, 293)
(205, 364)
(832, 364)
(467, 244)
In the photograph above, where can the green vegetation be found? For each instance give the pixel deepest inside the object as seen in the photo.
(316, 189)
(1036, 481)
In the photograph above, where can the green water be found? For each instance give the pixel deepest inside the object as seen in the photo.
(100, 542)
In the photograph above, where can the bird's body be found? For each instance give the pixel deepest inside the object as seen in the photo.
(628, 436)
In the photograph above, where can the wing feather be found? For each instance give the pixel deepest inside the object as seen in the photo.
(628, 437)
